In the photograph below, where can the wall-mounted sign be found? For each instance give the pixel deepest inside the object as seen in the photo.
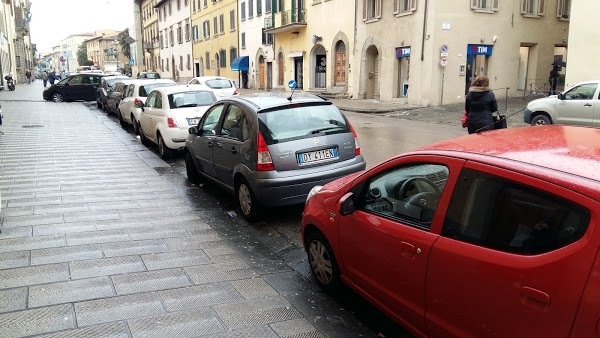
(321, 66)
(446, 26)
(444, 48)
(479, 50)
(403, 52)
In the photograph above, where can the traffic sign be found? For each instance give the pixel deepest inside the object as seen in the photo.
(444, 62)
(62, 63)
(132, 62)
(444, 48)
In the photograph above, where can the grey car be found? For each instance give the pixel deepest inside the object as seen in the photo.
(271, 151)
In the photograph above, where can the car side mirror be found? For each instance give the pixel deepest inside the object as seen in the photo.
(67, 84)
(560, 96)
(139, 104)
(193, 130)
(347, 205)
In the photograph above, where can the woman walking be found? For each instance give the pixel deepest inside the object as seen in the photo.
(479, 105)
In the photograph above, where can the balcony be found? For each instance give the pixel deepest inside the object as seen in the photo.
(22, 24)
(151, 44)
(285, 21)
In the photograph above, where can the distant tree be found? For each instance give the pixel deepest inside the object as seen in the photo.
(82, 54)
(124, 45)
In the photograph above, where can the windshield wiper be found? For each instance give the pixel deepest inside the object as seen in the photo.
(320, 130)
(187, 105)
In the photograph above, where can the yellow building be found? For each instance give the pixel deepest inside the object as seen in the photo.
(215, 38)
(99, 50)
(312, 43)
(149, 20)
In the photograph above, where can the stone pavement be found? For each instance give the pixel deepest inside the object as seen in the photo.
(101, 238)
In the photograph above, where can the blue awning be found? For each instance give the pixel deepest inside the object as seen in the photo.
(240, 63)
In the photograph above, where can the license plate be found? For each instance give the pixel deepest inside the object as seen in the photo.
(319, 155)
(193, 122)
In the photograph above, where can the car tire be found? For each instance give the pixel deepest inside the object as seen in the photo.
(540, 120)
(190, 168)
(322, 261)
(143, 138)
(98, 104)
(135, 125)
(120, 117)
(246, 200)
(164, 151)
(57, 97)
(104, 107)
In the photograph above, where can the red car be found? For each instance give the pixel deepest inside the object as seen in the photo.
(486, 235)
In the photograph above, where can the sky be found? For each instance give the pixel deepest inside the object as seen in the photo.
(54, 20)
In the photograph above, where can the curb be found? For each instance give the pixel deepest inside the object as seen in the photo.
(375, 110)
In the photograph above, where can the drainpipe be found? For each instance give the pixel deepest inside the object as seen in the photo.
(424, 30)
(355, 25)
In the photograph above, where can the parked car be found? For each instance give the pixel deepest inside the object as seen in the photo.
(271, 151)
(485, 235)
(75, 87)
(114, 97)
(148, 75)
(579, 105)
(105, 85)
(135, 94)
(168, 113)
(222, 87)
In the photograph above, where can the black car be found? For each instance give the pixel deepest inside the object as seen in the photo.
(114, 96)
(105, 86)
(74, 87)
(148, 75)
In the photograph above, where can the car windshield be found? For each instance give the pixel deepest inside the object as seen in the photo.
(218, 83)
(151, 76)
(63, 81)
(191, 99)
(111, 82)
(145, 89)
(304, 121)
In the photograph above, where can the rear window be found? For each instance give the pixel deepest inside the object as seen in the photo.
(146, 89)
(294, 123)
(191, 99)
(218, 84)
(111, 82)
(151, 75)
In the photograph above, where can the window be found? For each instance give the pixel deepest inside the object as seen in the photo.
(189, 62)
(215, 26)
(211, 120)
(181, 62)
(187, 31)
(267, 38)
(503, 215)
(232, 123)
(167, 64)
(161, 41)
(222, 58)
(195, 33)
(222, 23)
(268, 6)
(407, 6)
(581, 92)
(563, 10)
(232, 20)
(207, 58)
(162, 65)
(206, 25)
(250, 8)
(532, 7)
(243, 40)
(371, 10)
(484, 5)
(407, 194)
(259, 7)
(170, 8)
(199, 5)
(171, 36)
(205, 3)
(194, 6)
(179, 34)
(178, 5)
(151, 100)
(243, 9)
(232, 55)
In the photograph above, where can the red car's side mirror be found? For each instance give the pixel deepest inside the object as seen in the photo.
(347, 205)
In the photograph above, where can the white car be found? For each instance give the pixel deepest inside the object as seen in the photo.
(579, 105)
(169, 112)
(221, 86)
(135, 97)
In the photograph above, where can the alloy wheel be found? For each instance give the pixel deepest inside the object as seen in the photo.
(245, 199)
(320, 262)
(57, 97)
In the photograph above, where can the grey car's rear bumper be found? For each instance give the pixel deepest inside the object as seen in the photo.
(274, 191)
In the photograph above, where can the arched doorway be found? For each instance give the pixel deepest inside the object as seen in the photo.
(217, 65)
(280, 69)
(340, 63)
(261, 72)
(372, 72)
(318, 62)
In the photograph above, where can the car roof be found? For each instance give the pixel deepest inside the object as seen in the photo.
(569, 149)
(209, 77)
(276, 99)
(180, 89)
(110, 77)
(150, 81)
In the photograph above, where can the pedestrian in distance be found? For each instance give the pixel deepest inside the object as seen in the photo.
(45, 78)
(553, 79)
(479, 106)
(51, 78)
(28, 76)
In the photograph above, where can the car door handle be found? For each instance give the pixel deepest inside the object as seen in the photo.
(219, 144)
(587, 105)
(409, 250)
(534, 298)
(210, 144)
(233, 150)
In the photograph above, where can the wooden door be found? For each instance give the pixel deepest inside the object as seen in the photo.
(261, 76)
(340, 64)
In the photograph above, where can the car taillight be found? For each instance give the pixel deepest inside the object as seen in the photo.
(136, 101)
(236, 92)
(264, 161)
(356, 145)
(171, 122)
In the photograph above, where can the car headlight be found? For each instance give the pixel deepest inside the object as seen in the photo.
(313, 191)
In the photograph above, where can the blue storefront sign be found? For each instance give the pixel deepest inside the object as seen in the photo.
(479, 50)
(402, 52)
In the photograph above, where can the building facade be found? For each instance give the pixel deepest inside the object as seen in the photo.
(581, 35)
(256, 44)
(102, 49)
(174, 34)
(23, 47)
(7, 41)
(426, 52)
(215, 35)
(69, 46)
(149, 21)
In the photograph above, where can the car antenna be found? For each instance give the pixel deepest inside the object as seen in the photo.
(292, 84)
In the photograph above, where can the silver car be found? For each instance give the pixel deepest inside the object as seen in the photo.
(271, 151)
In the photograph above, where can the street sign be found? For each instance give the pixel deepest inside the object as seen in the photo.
(62, 63)
(443, 55)
(444, 48)
(132, 62)
(444, 62)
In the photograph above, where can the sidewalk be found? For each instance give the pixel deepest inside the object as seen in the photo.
(100, 237)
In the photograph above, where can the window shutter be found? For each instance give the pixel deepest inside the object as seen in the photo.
(365, 3)
(377, 9)
(559, 8)
(495, 5)
(541, 6)
(475, 4)
(413, 5)
(524, 6)
(396, 4)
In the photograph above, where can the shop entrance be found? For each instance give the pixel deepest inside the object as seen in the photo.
(298, 75)
(477, 63)
(402, 71)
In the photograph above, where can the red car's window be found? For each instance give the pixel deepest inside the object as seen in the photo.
(507, 216)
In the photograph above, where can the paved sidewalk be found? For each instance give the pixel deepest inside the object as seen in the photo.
(101, 238)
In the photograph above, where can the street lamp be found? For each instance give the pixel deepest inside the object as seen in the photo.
(116, 53)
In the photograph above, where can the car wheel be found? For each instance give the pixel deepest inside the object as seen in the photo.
(164, 151)
(104, 107)
(190, 167)
(247, 201)
(57, 97)
(136, 126)
(540, 120)
(98, 104)
(143, 138)
(322, 261)
(120, 116)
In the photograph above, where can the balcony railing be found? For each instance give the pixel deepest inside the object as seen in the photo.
(21, 24)
(285, 20)
(151, 44)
